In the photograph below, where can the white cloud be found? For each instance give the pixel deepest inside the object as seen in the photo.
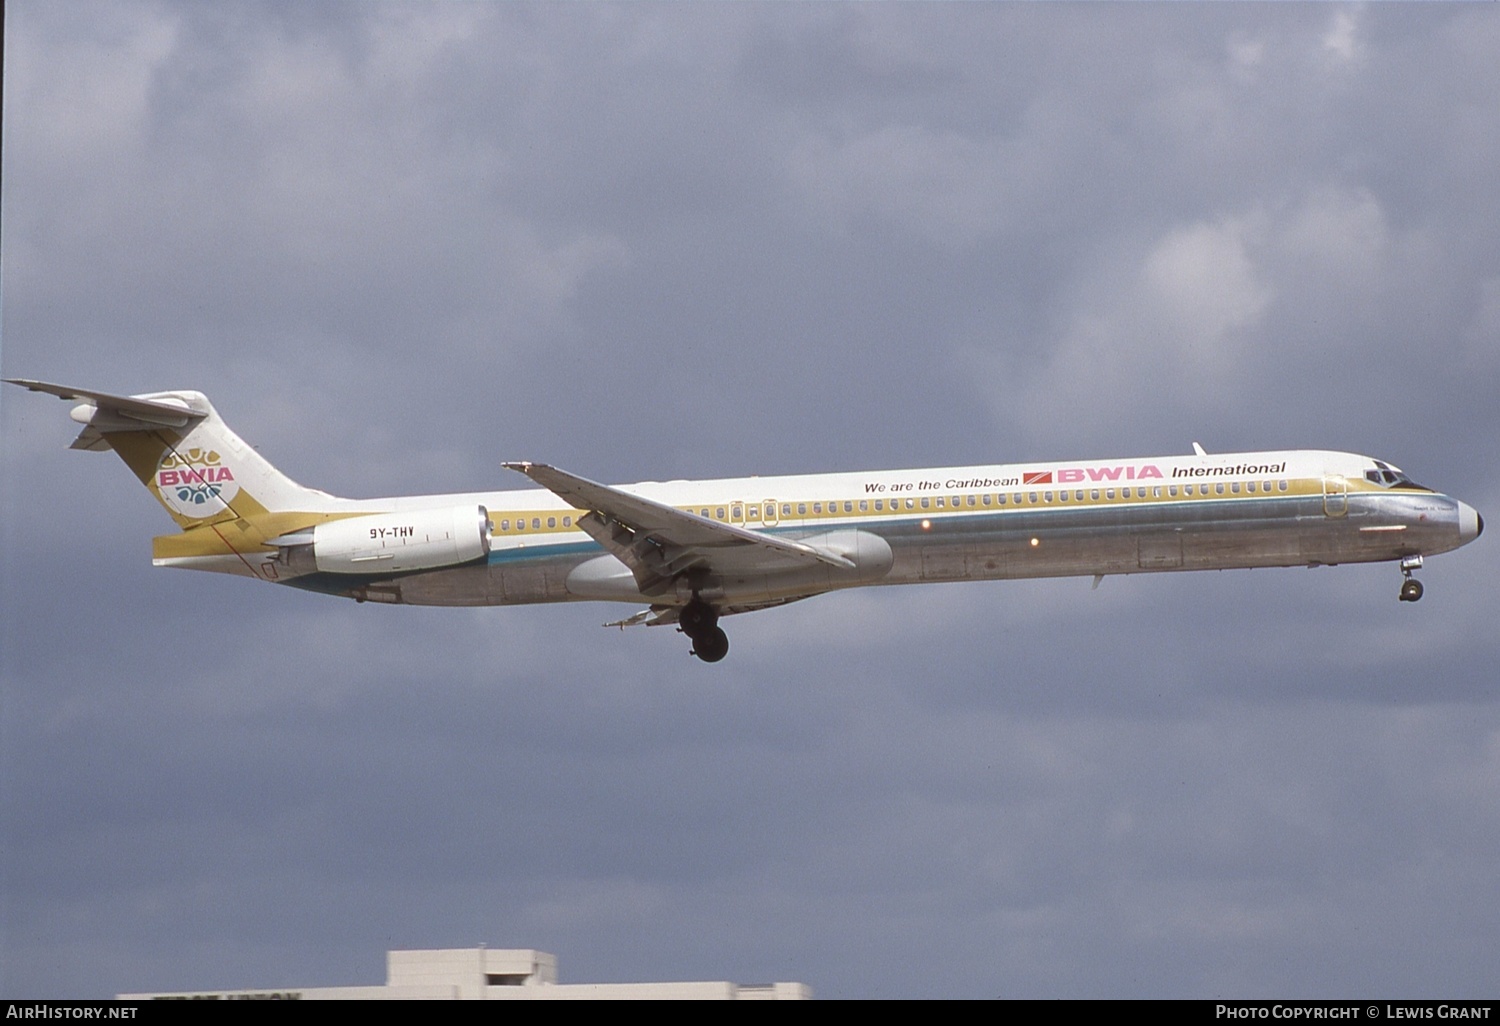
(1206, 318)
(1201, 287)
(1341, 40)
(1167, 322)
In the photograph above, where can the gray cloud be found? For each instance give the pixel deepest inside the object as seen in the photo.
(399, 243)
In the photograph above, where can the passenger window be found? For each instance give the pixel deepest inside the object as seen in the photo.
(939, 502)
(1281, 485)
(911, 503)
(1032, 498)
(925, 502)
(802, 509)
(505, 525)
(1094, 494)
(1049, 496)
(864, 505)
(1172, 490)
(1063, 496)
(817, 507)
(1156, 492)
(1250, 487)
(567, 521)
(536, 523)
(1235, 487)
(1219, 488)
(786, 509)
(754, 512)
(987, 499)
(848, 507)
(1109, 493)
(737, 512)
(551, 521)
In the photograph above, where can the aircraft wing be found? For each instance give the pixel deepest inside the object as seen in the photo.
(660, 543)
(114, 412)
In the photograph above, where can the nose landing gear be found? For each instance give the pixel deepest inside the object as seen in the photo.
(1411, 588)
(700, 622)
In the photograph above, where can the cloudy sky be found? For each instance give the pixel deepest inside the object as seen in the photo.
(398, 243)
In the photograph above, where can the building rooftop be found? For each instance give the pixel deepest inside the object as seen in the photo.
(490, 974)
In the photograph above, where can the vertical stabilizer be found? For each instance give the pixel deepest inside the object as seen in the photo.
(178, 447)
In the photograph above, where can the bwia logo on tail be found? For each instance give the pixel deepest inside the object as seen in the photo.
(194, 482)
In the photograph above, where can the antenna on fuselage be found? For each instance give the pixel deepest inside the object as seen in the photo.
(1199, 449)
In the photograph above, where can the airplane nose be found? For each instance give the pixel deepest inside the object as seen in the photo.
(1470, 523)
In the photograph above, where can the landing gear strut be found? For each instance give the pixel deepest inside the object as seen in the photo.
(1411, 588)
(700, 622)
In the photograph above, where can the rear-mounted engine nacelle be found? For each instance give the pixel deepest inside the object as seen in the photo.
(385, 543)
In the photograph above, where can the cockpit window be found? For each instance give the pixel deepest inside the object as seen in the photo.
(1387, 476)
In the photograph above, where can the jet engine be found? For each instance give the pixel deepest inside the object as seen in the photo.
(387, 543)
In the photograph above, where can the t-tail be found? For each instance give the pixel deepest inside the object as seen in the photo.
(204, 475)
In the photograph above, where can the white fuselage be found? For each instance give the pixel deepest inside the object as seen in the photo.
(1120, 516)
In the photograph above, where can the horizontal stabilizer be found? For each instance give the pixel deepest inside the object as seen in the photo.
(121, 412)
(102, 412)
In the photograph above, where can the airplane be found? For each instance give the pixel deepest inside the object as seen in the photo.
(696, 551)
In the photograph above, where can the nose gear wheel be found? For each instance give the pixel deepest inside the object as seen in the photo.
(1411, 588)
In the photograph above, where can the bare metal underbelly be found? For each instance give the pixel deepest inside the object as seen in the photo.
(1008, 546)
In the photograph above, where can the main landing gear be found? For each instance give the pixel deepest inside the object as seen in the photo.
(1411, 588)
(700, 622)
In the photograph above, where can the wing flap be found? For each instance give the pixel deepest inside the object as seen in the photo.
(658, 616)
